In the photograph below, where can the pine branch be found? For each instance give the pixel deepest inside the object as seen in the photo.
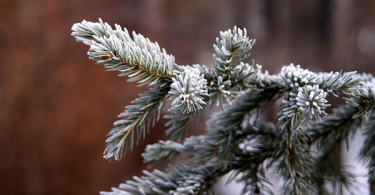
(307, 97)
(223, 126)
(178, 125)
(164, 151)
(367, 153)
(252, 175)
(265, 80)
(329, 133)
(186, 180)
(346, 119)
(365, 98)
(139, 118)
(235, 141)
(229, 70)
(336, 128)
(304, 100)
(189, 89)
(243, 75)
(160, 153)
(182, 180)
(293, 151)
(138, 58)
(259, 128)
(257, 143)
(338, 81)
(247, 163)
(293, 76)
(332, 177)
(231, 49)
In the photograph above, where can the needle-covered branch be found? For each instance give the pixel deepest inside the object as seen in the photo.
(239, 139)
(137, 57)
(138, 119)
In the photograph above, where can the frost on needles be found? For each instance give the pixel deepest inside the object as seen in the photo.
(236, 141)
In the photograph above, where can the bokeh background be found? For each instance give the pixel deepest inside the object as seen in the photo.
(56, 106)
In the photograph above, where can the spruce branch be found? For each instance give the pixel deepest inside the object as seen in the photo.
(189, 88)
(237, 140)
(307, 97)
(366, 100)
(231, 49)
(256, 143)
(345, 119)
(293, 76)
(181, 180)
(243, 76)
(189, 180)
(224, 126)
(139, 118)
(190, 93)
(252, 175)
(294, 150)
(339, 82)
(363, 97)
(163, 151)
(331, 177)
(252, 146)
(220, 91)
(160, 153)
(229, 71)
(367, 153)
(337, 127)
(137, 58)
(178, 125)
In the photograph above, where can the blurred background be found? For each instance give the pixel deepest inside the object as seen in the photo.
(56, 106)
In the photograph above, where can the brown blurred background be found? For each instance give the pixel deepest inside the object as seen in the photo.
(56, 106)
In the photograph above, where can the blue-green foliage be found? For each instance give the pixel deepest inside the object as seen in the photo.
(237, 140)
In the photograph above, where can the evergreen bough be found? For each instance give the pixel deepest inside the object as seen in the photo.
(237, 140)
